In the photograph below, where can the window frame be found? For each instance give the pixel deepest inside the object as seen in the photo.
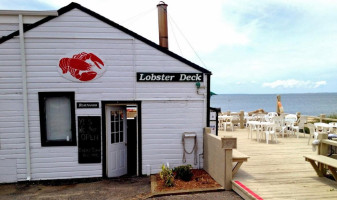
(43, 127)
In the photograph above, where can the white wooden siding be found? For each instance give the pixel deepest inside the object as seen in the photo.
(163, 125)
(7, 170)
(8, 28)
(164, 119)
(12, 149)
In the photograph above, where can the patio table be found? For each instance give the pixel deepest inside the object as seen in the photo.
(324, 126)
(258, 126)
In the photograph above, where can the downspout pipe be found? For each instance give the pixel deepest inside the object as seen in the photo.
(25, 97)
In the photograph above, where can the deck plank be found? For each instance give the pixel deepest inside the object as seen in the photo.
(279, 170)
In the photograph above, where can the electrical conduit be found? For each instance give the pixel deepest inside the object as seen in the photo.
(25, 97)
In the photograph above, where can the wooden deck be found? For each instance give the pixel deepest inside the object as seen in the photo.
(279, 171)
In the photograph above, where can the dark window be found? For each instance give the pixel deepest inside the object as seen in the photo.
(57, 118)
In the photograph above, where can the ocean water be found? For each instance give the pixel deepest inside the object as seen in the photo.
(312, 104)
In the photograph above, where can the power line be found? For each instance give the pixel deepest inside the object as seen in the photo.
(187, 41)
(139, 15)
(175, 38)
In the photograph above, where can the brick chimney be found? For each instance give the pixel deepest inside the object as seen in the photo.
(162, 24)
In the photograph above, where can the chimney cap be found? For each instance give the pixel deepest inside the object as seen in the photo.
(162, 3)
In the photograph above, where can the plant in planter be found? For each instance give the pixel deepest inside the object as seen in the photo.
(183, 172)
(167, 175)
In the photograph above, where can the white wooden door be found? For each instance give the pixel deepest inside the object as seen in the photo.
(116, 120)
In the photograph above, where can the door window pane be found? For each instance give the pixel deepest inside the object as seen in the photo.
(117, 126)
(112, 138)
(121, 136)
(117, 137)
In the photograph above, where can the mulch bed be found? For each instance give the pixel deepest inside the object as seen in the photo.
(200, 180)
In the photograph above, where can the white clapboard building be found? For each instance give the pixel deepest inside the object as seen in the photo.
(81, 96)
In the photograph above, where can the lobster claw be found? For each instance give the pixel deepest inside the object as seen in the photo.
(87, 76)
(96, 60)
(64, 65)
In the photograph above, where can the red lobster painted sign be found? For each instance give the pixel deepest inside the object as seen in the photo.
(82, 67)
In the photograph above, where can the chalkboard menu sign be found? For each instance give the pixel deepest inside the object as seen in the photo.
(89, 139)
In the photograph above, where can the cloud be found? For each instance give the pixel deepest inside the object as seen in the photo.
(202, 23)
(319, 83)
(246, 44)
(292, 83)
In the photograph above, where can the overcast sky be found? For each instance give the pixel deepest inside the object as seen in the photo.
(260, 46)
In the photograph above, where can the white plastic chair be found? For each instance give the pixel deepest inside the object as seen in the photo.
(248, 119)
(271, 132)
(220, 123)
(333, 128)
(312, 131)
(261, 117)
(270, 115)
(289, 121)
(290, 118)
(280, 124)
(228, 122)
(300, 125)
(236, 120)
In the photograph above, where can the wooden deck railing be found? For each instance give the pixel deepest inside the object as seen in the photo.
(241, 116)
(220, 155)
(241, 119)
(322, 118)
(323, 161)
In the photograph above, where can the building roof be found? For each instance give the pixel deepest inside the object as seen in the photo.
(29, 12)
(111, 23)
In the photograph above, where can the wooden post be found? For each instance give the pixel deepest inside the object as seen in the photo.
(322, 150)
(321, 117)
(207, 130)
(228, 144)
(242, 119)
(228, 169)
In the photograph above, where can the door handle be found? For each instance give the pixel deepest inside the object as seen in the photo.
(126, 144)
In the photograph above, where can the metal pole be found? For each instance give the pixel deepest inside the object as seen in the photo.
(25, 97)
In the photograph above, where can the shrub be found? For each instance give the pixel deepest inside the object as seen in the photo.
(183, 172)
(167, 175)
(333, 116)
(307, 130)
